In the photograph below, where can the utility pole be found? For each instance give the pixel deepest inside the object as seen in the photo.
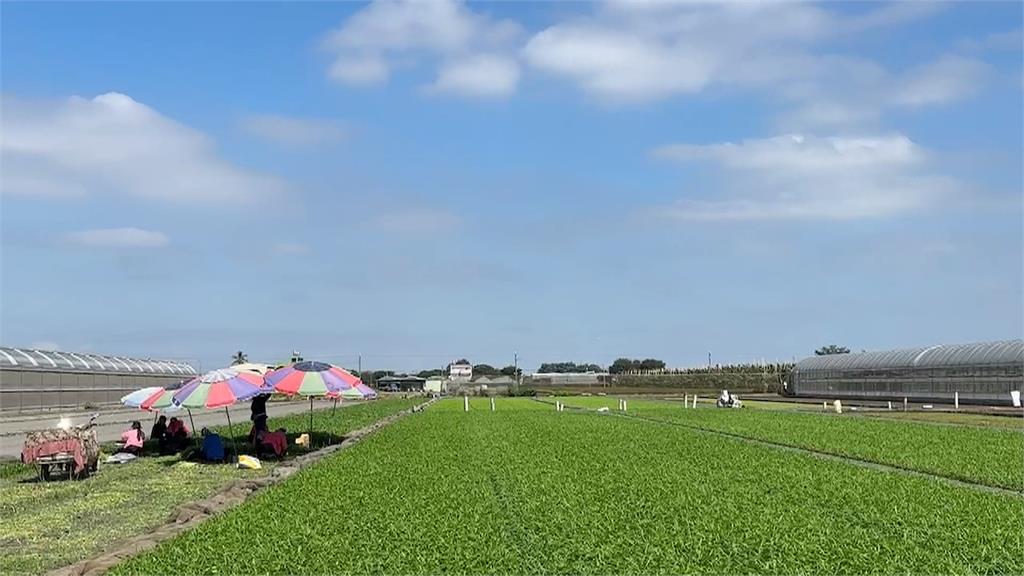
(515, 369)
(709, 360)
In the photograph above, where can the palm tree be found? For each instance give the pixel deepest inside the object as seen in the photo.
(239, 358)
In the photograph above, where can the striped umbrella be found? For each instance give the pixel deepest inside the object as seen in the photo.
(220, 389)
(151, 398)
(308, 378)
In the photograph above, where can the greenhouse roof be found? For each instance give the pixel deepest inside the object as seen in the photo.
(26, 358)
(941, 356)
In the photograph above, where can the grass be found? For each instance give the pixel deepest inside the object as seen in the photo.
(46, 525)
(526, 490)
(990, 456)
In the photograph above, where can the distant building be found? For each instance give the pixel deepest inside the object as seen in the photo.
(436, 385)
(570, 379)
(461, 370)
(401, 384)
(980, 373)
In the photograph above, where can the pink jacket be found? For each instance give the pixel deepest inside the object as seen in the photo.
(132, 437)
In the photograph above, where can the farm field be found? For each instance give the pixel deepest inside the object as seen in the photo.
(990, 456)
(527, 490)
(46, 525)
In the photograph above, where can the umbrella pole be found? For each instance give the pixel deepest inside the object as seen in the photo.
(310, 420)
(193, 423)
(232, 429)
(335, 411)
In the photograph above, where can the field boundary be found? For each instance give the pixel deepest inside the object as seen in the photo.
(830, 456)
(190, 515)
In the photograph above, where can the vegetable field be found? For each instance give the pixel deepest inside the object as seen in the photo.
(983, 455)
(46, 525)
(526, 489)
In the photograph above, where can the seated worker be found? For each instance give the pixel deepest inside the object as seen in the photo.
(259, 427)
(159, 433)
(177, 435)
(263, 439)
(133, 438)
(213, 447)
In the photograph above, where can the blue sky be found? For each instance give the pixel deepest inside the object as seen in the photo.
(417, 182)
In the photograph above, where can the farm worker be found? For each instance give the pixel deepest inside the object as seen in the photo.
(159, 433)
(213, 447)
(133, 438)
(177, 434)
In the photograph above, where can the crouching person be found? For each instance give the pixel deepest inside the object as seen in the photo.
(213, 446)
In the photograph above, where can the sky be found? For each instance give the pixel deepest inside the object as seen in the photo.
(413, 182)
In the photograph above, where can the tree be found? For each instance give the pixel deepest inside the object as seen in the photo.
(485, 370)
(430, 373)
(511, 371)
(831, 349)
(239, 358)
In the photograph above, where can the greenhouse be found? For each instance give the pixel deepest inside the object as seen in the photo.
(44, 379)
(983, 373)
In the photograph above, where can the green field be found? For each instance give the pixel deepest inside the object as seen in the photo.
(526, 489)
(46, 525)
(990, 456)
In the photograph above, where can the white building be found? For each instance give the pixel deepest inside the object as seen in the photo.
(460, 370)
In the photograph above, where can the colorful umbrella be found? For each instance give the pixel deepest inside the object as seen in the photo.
(308, 378)
(220, 389)
(152, 398)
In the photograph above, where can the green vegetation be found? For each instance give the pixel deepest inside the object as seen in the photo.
(526, 489)
(986, 456)
(46, 525)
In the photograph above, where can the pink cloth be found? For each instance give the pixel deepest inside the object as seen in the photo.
(277, 441)
(72, 446)
(132, 437)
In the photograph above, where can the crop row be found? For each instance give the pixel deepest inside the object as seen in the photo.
(45, 525)
(531, 491)
(990, 456)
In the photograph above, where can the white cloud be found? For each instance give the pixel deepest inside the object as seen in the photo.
(631, 52)
(111, 143)
(807, 177)
(119, 238)
(416, 221)
(374, 41)
(293, 131)
(996, 41)
(947, 79)
(291, 248)
(483, 75)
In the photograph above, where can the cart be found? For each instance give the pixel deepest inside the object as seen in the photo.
(60, 453)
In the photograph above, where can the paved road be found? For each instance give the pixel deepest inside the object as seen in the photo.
(113, 421)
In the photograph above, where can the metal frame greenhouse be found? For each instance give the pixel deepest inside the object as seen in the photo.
(40, 379)
(981, 373)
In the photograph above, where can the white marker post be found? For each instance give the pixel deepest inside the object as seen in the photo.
(625, 407)
(890, 405)
(838, 405)
(465, 403)
(686, 398)
(904, 403)
(492, 404)
(824, 406)
(956, 400)
(694, 400)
